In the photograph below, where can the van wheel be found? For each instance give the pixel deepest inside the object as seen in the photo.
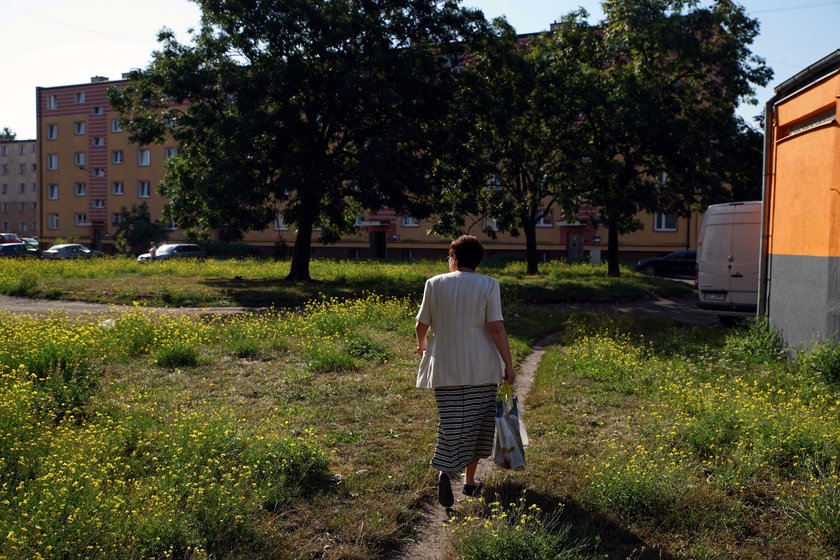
(728, 321)
(650, 271)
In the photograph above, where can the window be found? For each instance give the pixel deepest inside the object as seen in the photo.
(5, 226)
(52, 102)
(4, 188)
(4, 150)
(99, 141)
(21, 207)
(52, 132)
(79, 127)
(171, 225)
(143, 190)
(665, 222)
(99, 172)
(52, 221)
(170, 152)
(547, 220)
(22, 226)
(99, 203)
(410, 221)
(21, 169)
(22, 150)
(80, 218)
(117, 156)
(80, 159)
(117, 188)
(4, 169)
(116, 219)
(116, 126)
(34, 167)
(80, 97)
(490, 224)
(279, 224)
(144, 157)
(4, 207)
(98, 111)
(22, 188)
(52, 162)
(80, 189)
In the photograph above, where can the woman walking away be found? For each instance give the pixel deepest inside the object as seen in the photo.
(462, 339)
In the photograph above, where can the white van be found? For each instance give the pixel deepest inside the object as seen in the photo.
(727, 260)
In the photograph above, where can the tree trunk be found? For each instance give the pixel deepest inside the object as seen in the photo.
(531, 256)
(302, 252)
(612, 249)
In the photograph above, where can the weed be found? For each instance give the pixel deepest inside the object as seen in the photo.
(822, 359)
(176, 355)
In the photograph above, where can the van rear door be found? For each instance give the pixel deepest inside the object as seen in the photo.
(743, 265)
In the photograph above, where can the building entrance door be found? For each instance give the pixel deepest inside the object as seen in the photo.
(574, 246)
(378, 248)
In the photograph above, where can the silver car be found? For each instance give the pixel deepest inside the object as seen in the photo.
(174, 251)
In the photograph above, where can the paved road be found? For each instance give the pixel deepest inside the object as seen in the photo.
(679, 308)
(73, 308)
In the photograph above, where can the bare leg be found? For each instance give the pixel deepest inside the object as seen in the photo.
(470, 473)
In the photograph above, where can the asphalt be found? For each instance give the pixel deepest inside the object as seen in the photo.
(678, 308)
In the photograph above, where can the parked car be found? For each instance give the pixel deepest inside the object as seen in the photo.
(70, 251)
(679, 264)
(32, 245)
(174, 251)
(10, 238)
(16, 250)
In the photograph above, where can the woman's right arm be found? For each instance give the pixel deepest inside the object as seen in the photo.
(420, 330)
(500, 339)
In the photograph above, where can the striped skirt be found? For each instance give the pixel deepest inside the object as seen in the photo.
(466, 427)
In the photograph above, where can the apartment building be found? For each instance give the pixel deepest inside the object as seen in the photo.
(19, 187)
(90, 172)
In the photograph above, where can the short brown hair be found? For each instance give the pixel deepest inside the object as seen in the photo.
(468, 250)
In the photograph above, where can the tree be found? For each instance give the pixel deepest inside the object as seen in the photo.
(518, 119)
(313, 108)
(663, 79)
(136, 230)
(7, 134)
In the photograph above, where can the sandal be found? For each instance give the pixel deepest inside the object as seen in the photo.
(445, 496)
(473, 489)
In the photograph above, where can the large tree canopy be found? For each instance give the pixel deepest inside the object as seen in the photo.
(312, 108)
(517, 137)
(658, 130)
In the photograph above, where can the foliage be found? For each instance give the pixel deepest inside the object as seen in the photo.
(822, 359)
(691, 435)
(517, 530)
(7, 134)
(315, 109)
(136, 230)
(661, 81)
(259, 283)
(518, 123)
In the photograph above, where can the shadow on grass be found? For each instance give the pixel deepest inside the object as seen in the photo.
(602, 536)
(249, 292)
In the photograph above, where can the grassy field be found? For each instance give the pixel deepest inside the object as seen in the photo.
(260, 283)
(298, 433)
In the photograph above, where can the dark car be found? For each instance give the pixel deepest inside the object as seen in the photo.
(16, 250)
(679, 264)
(174, 251)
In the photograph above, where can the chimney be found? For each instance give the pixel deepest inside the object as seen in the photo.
(98, 79)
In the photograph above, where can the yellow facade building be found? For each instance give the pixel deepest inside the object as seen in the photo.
(89, 172)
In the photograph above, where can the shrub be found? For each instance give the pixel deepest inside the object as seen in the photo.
(757, 343)
(367, 349)
(518, 531)
(822, 359)
(176, 355)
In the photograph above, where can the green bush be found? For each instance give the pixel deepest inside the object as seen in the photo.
(176, 355)
(758, 342)
(822, 359)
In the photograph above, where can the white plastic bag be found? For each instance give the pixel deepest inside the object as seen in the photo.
(509, 448)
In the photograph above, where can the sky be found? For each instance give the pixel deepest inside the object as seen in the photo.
(63, 42)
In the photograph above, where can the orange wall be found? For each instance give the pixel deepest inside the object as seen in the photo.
(804, 193)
